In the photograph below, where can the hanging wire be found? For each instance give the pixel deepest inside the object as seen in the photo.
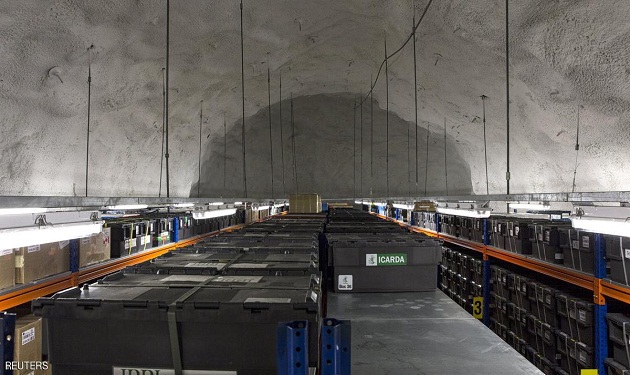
(270, 127)
(577, 148)
(199, 162)
(361, 148)
(415, 89)
(507, 92)
(386, 119)
(166, 155)
(284, 193)
(485, 147)
(295, 173)
(371, 140)
(163, 127)
(445, 162)
(89, 108)
(243, 105)
(354, 148)
(224, 155)
(426, 162)
(396, 52)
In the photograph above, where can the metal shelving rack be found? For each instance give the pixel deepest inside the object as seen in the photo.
(597, 283)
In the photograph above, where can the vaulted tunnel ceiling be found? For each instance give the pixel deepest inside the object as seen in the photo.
(564, 54)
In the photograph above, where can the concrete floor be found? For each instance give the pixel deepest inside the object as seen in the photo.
(421, 333)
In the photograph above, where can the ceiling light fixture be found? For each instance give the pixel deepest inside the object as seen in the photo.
(606, 220)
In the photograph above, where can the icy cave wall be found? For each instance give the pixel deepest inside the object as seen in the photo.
(564, 54)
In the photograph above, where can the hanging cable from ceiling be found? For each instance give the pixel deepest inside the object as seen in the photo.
(168, 45)
(243, 105)
(426, 162)
(199, 162)
(295, 172)
(284, 193)
(485, 147)
(507, 92)
(363, 99)
(445, 160)
(361, 148)
(354, 148)
(415, 87)
(386, 119)
(89, 107)
(224, 155)
(163, 127)
(270, 126)
(371, 140)
(577, 147)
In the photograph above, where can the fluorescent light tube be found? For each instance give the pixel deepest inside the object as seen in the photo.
(127, 207)
(184, 205)
(606, 220)
(219, 203)
(278, 205)
(382, 204)
(261, 208)
(213, 213)
(18, 211)
(238, 203)
(358, 202)
(531, 206)
(29, 236)
(604, 226)
(474, 213)
(403, 206)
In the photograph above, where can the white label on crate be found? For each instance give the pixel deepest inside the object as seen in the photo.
(314, 296)
(344, 282)
(141, 240)
(32, 249)
(28, 336)
(547, 335)
(586, 241)
(540, 237)
(186, 278)
(370, 260)
(238, 279)
(152, 227)
(572, 314)
(517, 231)
(548, 299)
(251, 265)
(161, 371)
(582, 315)
(559, 256)
(576, 244)
(627, 253)
(6, 252)
(127, 243)
(267, 300)
(218, 266)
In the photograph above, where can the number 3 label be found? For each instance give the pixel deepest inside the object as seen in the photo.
(477, 310)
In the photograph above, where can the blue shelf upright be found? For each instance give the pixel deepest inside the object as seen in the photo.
(600, 309)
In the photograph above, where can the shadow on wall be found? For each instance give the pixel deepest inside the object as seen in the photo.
(324, 158)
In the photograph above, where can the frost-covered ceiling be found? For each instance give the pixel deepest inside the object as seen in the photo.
(563, 54)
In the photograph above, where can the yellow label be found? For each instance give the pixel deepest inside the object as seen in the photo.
(588, 372)
(477, 307)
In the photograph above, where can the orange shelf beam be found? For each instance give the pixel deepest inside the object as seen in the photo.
(27, 293)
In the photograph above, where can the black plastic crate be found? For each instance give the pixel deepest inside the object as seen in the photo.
(226, 327)
(618, 253)
(576, 318)
(619, 335)
(546, 244)
(500, 281)
(500, 308)
(519, 292)
(518, 238)
(574, 355)
(547, 339)
(578, 249)
(543, 302)
(123, 239)
(616, 368)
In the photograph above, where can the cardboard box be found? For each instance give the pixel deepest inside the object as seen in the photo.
(39, 261)
(305, 203)
(28, 339)
(95, 248)
(7, 268)
(427, 206)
